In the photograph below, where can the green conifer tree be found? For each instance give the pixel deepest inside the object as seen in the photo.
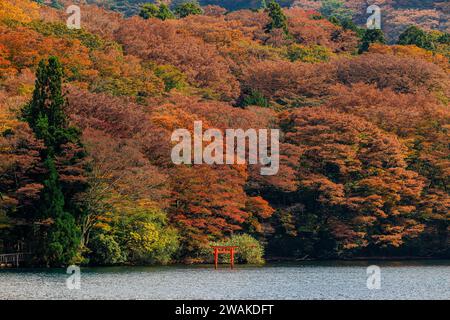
(45, 112)
(278, 19)
(45, 115)
(61, 241)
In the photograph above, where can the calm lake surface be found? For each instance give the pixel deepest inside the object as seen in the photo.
(305, 280)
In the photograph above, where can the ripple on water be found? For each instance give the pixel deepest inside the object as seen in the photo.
(335, 280)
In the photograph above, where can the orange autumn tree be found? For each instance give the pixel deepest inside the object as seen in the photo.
(206, 202)
(5, 65)
(209, 202)
(18, 10)
(26, 48)
(403, 74)
(412, 51)
(308, 30)
(19, 167)
(421, 123)
(289, 84)
(160, 42)
(353, 185)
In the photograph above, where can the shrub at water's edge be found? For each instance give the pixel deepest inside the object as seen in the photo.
(249, 250)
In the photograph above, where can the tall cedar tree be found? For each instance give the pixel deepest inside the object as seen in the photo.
(278, 19)
(45, 115)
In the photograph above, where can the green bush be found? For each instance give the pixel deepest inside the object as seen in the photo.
(60, 30)
(255, 98)
(335, 8)
(444, 38)
(150, 10)
(138, 236)
(311, 54)
(106, 250)
(371, 36)
(145, 237)
(416, 36)
(172, 77)
(188, 8)
(165, 13)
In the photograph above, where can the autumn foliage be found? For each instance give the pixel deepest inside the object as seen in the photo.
(364, 144)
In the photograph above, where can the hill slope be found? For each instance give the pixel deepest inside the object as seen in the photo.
(364, 144)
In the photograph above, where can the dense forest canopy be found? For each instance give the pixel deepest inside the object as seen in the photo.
(397, 15)
(86, 118)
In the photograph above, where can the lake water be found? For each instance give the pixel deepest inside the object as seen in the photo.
(305, 280)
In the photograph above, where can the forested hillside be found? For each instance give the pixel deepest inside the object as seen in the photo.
(86, 118)
(396, 15)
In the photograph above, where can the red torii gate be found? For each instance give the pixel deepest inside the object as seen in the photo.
(224, 250)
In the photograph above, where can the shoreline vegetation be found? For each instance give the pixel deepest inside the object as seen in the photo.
(269, 262)
(87, 115)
